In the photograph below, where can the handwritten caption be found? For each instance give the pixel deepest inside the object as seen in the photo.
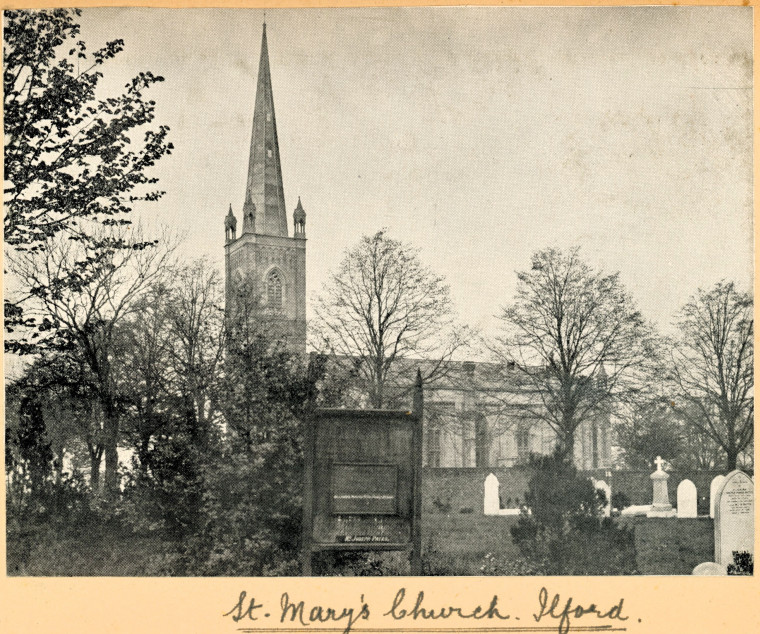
(407, 607)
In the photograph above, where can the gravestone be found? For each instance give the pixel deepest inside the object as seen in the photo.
(716, 483)
(601, 485)
(734, 517)
(491, 495)
(661, 506)
(686, 496)
(709, 569)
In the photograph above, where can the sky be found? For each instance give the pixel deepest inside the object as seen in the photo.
(478, 135)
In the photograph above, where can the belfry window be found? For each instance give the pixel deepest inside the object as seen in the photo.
(274, 290)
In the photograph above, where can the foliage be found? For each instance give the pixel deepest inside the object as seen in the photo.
(382, 306)
(743, 564)
(656, 428)
(620, 500)
(576, 337)
(71, 158)
(496, 565)
(166, 493)
(561, 530)
(89, 314)
(713, 367)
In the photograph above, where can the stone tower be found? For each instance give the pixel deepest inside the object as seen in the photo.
(265, 268)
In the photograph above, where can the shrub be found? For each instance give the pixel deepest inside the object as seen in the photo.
(561, 530)
(466, 510)
(620, 500)
(501, 566)
(743, 564)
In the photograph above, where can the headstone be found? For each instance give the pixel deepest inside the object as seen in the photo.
(601, 485)
(686, 496)
(661, 506)
(709, 569)
(491, 496)
(734, 517)
(716, 483)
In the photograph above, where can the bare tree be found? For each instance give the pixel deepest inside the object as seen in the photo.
(196, 317)
(87, 314)
(713, 365)
(577, 339)
(381, 307)
(171, 370)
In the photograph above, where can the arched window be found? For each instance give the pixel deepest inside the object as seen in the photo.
(274, 290)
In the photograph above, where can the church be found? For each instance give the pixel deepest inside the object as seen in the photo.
(471, 421)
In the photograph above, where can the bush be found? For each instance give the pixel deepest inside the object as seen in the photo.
(620, 501)
(561, 530)
(166, 491)
(743, 564)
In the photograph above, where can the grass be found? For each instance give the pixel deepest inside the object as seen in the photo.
(456, 543)
(453, 544)
(99, 552)
(671, 546)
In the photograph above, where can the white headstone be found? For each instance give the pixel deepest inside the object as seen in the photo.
(491, 497)
(716, 483)
(686, 496)
(709, 569)
(734, 517)
(601, 485)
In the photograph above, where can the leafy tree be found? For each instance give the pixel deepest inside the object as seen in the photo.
(60, 388)
(382, 306)
(577, 339)
(88, 312)
(655, 427)
(71, 156)
(713, 365)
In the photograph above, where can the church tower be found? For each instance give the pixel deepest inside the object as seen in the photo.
(265, 268)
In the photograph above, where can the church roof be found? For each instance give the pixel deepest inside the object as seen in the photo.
(264, 186)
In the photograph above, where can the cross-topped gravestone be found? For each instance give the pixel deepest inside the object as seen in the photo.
(661, 506)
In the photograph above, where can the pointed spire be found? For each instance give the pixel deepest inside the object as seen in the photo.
(264, 186)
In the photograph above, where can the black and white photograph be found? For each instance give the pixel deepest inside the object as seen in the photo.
(430, 291)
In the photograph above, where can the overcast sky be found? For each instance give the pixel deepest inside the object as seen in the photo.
(477, 134)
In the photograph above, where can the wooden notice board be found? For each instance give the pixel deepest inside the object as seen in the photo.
(362, 488)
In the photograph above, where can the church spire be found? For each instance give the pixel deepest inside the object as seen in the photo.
(264, 187)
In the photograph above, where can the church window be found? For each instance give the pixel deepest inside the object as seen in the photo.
(434, 447)
(522, 438)
(274, 290)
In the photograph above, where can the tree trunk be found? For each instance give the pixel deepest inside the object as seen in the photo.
(95, 458)
(566, 445)
(731, 457)
(111, 438)
(59, 464)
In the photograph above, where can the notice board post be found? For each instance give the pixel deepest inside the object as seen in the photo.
(363, 481)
